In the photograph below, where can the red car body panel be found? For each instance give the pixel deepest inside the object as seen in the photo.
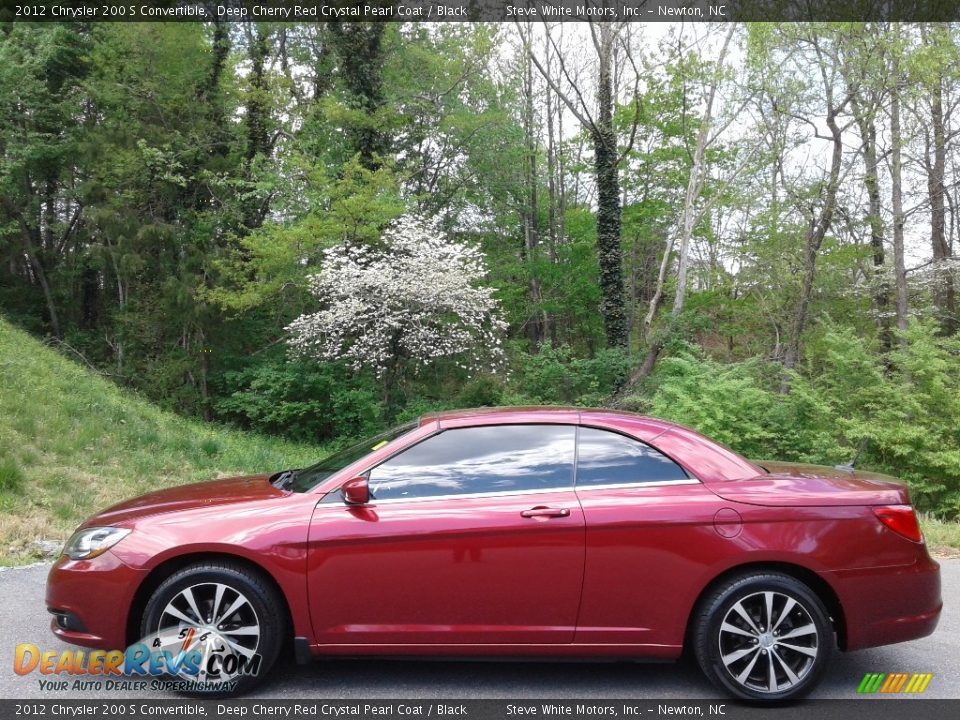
(796, 485)
(446, 571)
(267, 527)
(617, 574)
(100, 593)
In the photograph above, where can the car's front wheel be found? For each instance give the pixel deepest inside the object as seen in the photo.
(763, 637)
(220, 626)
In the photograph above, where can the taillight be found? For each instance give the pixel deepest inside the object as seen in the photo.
(901, 519)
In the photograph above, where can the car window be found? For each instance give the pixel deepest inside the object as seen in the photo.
(308, 478)
(461, 461)
(608, 458)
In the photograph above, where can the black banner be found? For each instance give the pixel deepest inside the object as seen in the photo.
(478, 10)
(861, 709)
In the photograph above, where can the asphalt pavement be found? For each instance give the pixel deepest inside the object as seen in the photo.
(23, 618)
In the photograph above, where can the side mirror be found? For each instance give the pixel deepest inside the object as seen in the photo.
(356, 491)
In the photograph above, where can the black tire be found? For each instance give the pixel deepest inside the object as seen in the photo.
(262, 608)
(746, 657)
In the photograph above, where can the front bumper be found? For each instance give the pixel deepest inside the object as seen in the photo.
(91, 600)
(888, 605)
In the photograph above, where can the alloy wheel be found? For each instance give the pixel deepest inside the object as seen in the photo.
(213, 618)
(768, 641)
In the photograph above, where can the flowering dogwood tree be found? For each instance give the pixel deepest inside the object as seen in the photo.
(414, 298)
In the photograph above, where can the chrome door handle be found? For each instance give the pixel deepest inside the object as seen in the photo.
(545, 512)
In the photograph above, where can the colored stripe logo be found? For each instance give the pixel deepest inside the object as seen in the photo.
(186, 641)
(890, 683)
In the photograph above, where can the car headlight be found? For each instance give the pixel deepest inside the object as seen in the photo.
(91, 542)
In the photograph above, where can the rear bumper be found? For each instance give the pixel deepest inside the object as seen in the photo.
(90, 600)
(888, 605)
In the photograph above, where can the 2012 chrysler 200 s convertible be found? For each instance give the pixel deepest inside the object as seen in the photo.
(536, 532)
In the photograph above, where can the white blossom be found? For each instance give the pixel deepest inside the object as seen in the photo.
(415, 297)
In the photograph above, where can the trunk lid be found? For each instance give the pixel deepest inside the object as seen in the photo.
(799, 485)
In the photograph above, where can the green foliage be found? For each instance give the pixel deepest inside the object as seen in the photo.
(271, 263)
(725, 403)
(738, 405)
(422, 406)
(12, 478)
(906, 420)
(555, 375)
(482, 391)
(302, 400)
(569, 287)
(911, 416)
(941, 536)
(210, 447)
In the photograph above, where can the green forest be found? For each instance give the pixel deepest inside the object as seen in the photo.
(316, 231)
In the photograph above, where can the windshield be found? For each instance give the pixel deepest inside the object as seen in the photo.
(310, 477)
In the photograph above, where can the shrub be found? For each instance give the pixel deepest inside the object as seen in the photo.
(905, 419)
(482, 391)
(302, 400)
(209, 447)
(554, 375)
(726, 402)
(12, 478)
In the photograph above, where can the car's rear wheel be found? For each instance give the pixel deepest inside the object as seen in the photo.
(764, 637)
(223, 620)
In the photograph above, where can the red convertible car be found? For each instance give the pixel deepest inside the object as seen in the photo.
(534, 532)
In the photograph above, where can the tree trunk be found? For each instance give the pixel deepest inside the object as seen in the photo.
(606, 161)
(871, 181)
(690, 215)
(534, 324)
(549, 322)
(37, 266)
(657, 297)
(944, 293)
(896, 192)
(210, 91)
(816, 232)
(608, 205)
(257, 107)
(257, 115)
(561, 180)
(695, 183)
(551, 163)
(360, 51)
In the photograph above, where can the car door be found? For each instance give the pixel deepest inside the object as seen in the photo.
(472, 536)
(649, 535)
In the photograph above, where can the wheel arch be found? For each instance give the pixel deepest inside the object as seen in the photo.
(171, 565)
(817, 584)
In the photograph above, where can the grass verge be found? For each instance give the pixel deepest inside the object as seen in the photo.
(943, 536)
(72, 443)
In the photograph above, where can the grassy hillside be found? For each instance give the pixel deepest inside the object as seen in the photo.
(72, 443)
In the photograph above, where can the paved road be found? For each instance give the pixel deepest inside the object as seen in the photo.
(24, 619)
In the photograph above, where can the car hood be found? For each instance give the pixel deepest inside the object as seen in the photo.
(229, 491)
(797, 484)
